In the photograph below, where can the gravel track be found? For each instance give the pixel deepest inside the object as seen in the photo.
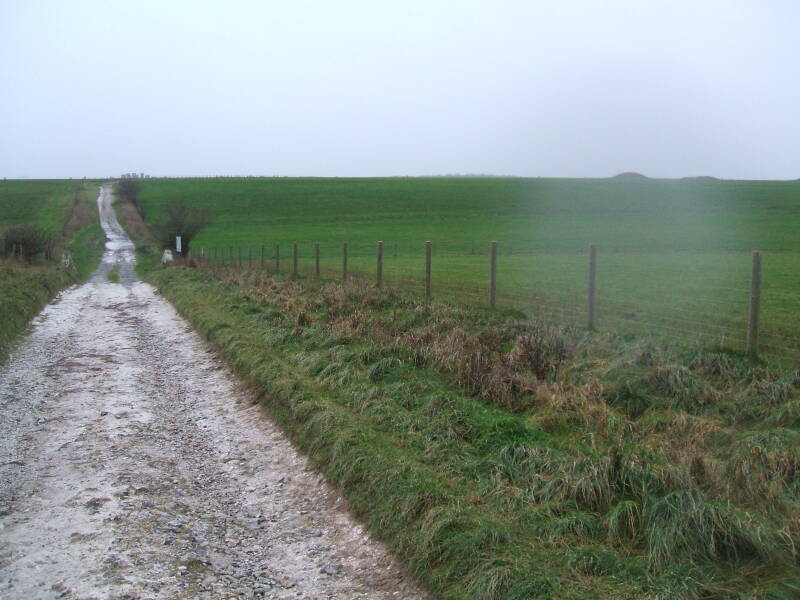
(134, 466)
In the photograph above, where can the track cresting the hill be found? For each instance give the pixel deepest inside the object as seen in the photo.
(132, 465)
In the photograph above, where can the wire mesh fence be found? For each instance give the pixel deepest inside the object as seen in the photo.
(704, 298)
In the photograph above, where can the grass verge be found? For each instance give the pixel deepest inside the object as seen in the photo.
(504, 459)
(24, 291)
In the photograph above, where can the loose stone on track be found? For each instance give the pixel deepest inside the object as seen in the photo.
(132, 465)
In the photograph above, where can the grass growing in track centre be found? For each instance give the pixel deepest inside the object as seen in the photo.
(673, 255)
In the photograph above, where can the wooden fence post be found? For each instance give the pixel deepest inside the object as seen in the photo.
(277, 258)
(262, 256)
(316, 261)
(493, 275)
(379, 269)
(294, 260)
(592, 286)
(240, 257)
(755, 305)
(344, 262)
(428, 251)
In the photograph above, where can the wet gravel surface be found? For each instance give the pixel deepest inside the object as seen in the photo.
(133, 466)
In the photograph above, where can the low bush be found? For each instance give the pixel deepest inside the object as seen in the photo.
(127, 189)
(184, 220)
(26, 241)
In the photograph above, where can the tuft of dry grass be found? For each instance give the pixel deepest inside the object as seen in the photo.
(764, 467)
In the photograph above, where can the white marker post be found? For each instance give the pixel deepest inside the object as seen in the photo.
(178, 244)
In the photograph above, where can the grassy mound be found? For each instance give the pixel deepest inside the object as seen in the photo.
(505, 458)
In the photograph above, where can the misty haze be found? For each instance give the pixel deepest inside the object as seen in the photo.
(424, 301)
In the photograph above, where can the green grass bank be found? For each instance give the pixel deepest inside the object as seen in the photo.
(503, 458)
(25, 288)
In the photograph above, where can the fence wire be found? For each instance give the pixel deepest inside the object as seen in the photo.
(688, 305)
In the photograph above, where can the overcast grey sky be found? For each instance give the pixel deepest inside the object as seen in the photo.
(537, 88)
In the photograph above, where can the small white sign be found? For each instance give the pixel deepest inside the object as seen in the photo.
(178, 244)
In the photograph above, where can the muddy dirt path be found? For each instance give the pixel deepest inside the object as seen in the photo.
(132, 466)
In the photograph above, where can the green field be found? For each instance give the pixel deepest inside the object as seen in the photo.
(674, 255)
(46, 203)
(546, 215)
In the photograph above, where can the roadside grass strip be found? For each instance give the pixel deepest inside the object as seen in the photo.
(501, 459)
(24, 291)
